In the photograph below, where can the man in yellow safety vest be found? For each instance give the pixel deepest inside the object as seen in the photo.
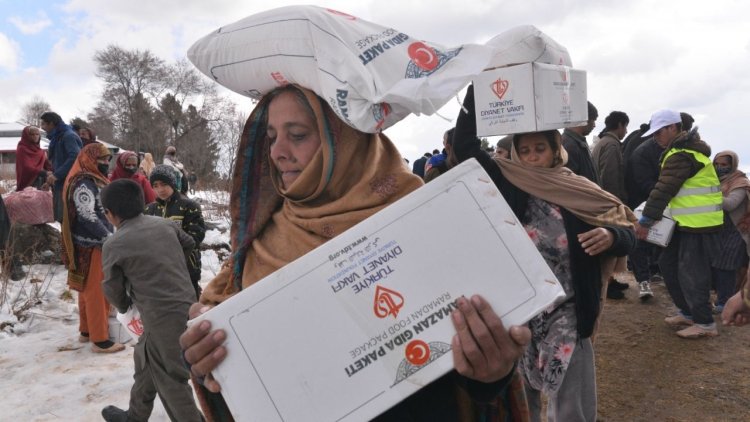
(688, 185)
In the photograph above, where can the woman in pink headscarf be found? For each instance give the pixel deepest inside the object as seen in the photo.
(32, 164)
(127, 168)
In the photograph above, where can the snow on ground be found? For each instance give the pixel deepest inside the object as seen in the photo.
(45, 373)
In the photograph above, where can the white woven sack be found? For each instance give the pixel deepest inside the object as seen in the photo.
(371, 75)
(524, 44)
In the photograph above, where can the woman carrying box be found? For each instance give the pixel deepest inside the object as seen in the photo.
(572, 222)
(303, 177)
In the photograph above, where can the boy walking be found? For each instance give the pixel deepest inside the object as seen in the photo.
(144, 265)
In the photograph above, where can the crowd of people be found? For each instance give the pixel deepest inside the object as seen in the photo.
(662, 168)
(293, 190)
(76, 167)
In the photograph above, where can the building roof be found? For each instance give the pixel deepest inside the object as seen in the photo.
(10, 134)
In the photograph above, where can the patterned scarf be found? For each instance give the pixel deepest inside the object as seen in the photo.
(76, 258)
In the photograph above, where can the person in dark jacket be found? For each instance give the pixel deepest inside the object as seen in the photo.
(580, 161)
(553, 205)
(610, 166)
(63, 150)
(641, 175)
(607, 155)
(144, 265)
(440, 163)
(420, 163)
(170, 203)
(688, 184)
(633, 141)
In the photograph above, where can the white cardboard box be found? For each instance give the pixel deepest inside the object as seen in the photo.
(661, 232)
(363, 321)
(529, 97)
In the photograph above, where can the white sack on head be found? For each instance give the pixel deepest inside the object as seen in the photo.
(371, 75)
(524, 44)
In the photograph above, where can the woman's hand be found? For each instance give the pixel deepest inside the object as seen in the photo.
(596, 241)
(202, 348)
(483, 349)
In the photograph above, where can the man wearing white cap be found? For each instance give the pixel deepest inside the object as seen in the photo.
(689, 186)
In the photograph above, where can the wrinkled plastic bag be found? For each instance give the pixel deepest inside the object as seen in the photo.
(131, 321)
(372, 76)
(30, 206)
(525, 44)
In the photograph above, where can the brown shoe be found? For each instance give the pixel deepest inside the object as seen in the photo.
(83, 339)
(116, 347)
(678, 321)
(695, 331)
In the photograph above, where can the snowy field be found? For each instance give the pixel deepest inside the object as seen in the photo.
(46, 374)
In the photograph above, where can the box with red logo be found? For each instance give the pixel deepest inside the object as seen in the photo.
(529, 97)
(360, 323)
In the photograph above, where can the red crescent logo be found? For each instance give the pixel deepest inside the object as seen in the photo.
(417, 352)
(346, 15)
(500, 87)
(423, 55)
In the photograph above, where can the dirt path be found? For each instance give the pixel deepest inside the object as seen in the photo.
(646, 373)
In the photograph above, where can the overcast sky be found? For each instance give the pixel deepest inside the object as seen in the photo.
(640, 55)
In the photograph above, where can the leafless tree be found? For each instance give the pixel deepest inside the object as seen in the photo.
(31, 111)
(131, 79)
(148, 104)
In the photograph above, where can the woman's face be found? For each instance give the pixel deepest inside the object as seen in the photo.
(722, 162)
(534, 150)
(35, 135)
(131, 164)
(294, 137)
(85, 135)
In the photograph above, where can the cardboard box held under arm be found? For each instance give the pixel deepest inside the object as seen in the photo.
(661, 232)
(360, 323)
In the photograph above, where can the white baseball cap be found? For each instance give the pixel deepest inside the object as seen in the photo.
(662, 118)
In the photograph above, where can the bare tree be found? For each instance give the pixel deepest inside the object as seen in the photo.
(31, 111)
(148, 104)
(228, 135)
(131, 78)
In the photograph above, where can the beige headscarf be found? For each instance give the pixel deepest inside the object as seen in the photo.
(560, 186)
(352, 176)
(147, 165)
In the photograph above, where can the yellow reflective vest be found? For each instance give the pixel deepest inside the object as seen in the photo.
(698, 203)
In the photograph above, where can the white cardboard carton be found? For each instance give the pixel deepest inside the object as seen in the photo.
(661, 232)
(529, 97)
(363, 321)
